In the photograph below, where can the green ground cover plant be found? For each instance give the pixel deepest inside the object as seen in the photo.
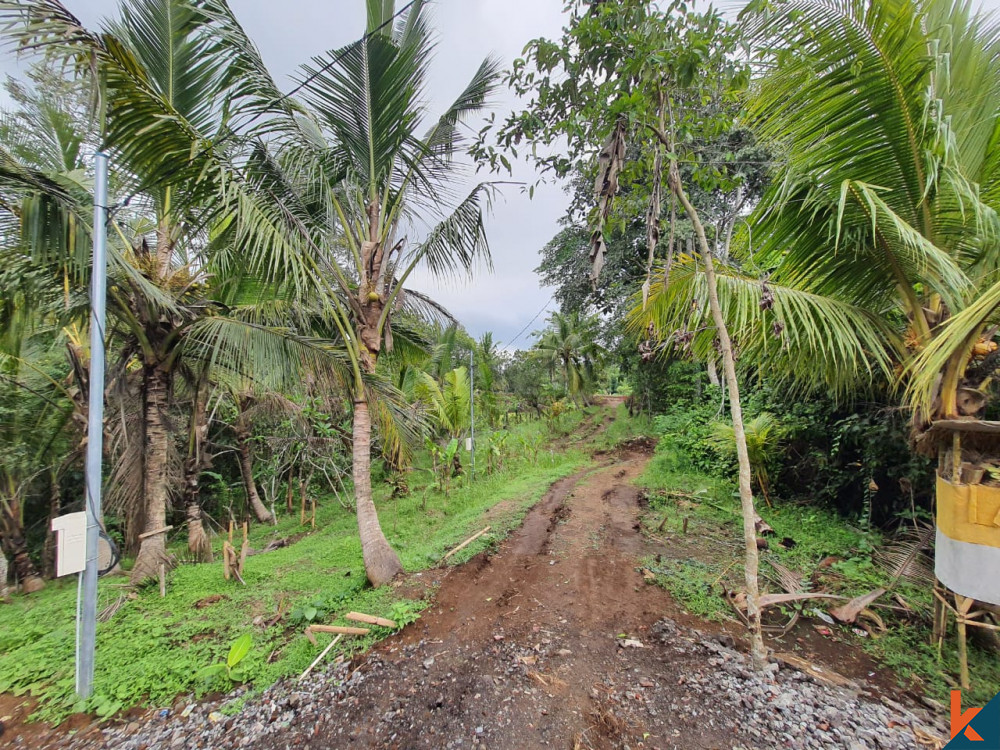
(808, 539)
(155, 649)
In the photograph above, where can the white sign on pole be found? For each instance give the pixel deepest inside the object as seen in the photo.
(71, 543)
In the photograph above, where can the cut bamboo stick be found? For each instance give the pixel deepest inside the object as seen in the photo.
(337, 629)
(370, 619)
(320, 657)
(466, 543)
(826, 676)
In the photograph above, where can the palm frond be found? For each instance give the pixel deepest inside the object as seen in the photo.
(813, 340)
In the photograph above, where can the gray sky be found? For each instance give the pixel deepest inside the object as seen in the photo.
(289, 32)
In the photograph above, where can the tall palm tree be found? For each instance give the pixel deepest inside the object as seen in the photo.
(570, 345)
(368, 187)
(487, 367)
(182, 293)
(874, 251)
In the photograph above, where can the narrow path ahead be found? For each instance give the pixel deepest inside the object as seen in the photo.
(520, 648)
(557, 641)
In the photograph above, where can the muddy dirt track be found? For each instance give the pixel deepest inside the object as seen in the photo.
(521, 648)
(538, 646)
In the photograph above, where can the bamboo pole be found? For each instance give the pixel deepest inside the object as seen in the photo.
(466, 543)
(337, 629)
(320, 657)
(370, 619)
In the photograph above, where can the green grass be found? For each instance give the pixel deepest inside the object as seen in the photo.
(152, 649)
(695, 580)
(625, 428)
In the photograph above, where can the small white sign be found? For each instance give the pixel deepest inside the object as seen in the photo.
(71, 543)
(468, 444)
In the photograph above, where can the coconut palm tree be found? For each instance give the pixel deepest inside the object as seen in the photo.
(368, 186)
(570, 345)
(764, 435)
(891, 211)
(447, 400)
(875, 249)
(182, 292)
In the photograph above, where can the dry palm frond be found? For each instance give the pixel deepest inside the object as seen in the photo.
(790, 581)
(112, 609)
(908, 557)
(610, 162)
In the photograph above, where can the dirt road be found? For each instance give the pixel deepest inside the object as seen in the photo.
(521, 649)
(557, 641)
(554, 641)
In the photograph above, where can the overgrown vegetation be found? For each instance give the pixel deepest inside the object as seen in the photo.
(154, 648)
(693, 505)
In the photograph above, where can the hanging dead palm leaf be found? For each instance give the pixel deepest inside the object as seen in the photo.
(653, 224)
(609, 165)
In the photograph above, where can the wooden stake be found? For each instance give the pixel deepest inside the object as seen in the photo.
(320, 657)
(163, 580)
(243, 551)
(466, 543)
(370, 619)
(336, 629)
(963, 606)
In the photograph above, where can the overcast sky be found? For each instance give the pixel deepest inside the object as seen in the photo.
(289, 32)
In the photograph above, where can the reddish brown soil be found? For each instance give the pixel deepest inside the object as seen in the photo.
(558, 592)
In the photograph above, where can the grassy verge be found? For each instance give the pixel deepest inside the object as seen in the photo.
(818, 544)
(152, 650)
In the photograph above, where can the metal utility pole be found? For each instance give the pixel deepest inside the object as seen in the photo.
(87, 593)
(472, 408)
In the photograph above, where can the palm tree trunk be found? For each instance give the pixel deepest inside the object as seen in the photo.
(199, 544)
(713, 373)
(246, 469)
(3, 574)
(16, 546)
(381, 562)
(758, 653)
(153, 548)
(49, 546)
(197, 461)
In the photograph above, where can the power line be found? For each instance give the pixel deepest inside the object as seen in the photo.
(278, 100)
(544, 308)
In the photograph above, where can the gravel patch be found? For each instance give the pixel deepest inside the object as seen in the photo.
(674, 690)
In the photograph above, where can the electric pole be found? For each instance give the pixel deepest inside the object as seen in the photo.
(472, 407)
(86, 627)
